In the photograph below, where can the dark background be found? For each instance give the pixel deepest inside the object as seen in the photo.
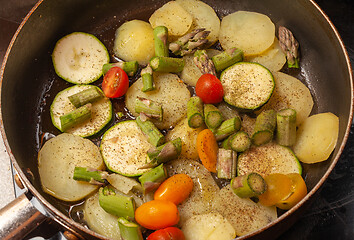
(331, 216)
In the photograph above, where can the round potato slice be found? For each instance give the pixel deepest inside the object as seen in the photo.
(170, 92)
(56, 163)
(316, 137)
(251, 32)
(273, 58)
(204, 16)
(135, 41)
(290, 92)
(191, 73)
(171, 15)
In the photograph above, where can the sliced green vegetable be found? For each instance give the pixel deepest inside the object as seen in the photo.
(89, 95)
(264, 127)
(129, 67)
(286, 127)
(213, 116)
(167, 64)
(148, 107)
(90, 175)
(129, 230)
(226, 164)
(161, 40)
(240, 141)
(227, 58)
(249, 185)
(227, 128)
(155, 137)
(195, 112)
(152, 179)
(75, 117)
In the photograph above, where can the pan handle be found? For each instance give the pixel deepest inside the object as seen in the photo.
(19, 218)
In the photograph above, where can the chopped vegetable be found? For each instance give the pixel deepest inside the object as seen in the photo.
(227, 58)
(227, 128)
(239, 141)
(169, 233)
(189, 43)
(286, 127)
(164, 153)
(89, 95)
(167, 64)
(155, 137)
(249, 185)
(203, 62)
(195, 112)
(116, 204)
(207, 148)
(75, 117)
(278, 188)
(209, 89)
(161, 41)
(226, 163)
(152, 179)
(90, 175)
(290, 46)
(129, 230)
(115, 83)
(157, 214)
(149, 108)
(213, 116)
(175, 189)
(122, 183)
(264, 127)
(130, 68)
(147, 79)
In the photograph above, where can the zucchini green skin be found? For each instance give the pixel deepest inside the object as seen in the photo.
(267, 159)
(97, 73)
(102, 112)
(238, 94)
(124, 149)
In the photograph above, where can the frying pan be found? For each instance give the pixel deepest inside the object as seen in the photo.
(29, 83)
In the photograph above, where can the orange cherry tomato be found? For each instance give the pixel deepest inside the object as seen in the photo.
(170, 233)
(207, 149)
(175, 189)
(278, 188)
(157, 214)
(298, 192)
(209, 89)
(115, 83)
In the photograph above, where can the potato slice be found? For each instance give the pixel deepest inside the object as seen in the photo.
(204, 189)
(56, 163)
(204, 16)
(191, 73)
(135, 41)
(170, 92)
(316, 137)
(210, 226)
(252, 32)
(273, 58)
(173, 16)
(290, 92)
(244, 215)
(188, 136)
(99, 220)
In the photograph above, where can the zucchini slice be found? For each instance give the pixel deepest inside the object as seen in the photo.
(267, 159)
(101, 112)
(247, 85)
(124, 149)
(78, 58)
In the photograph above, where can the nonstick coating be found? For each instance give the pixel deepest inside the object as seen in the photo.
(29, 82)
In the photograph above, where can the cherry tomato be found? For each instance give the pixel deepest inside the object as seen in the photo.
(298, 192)
(209, 89)
(278, 188)
(157, 214)
(115, 83)
(170, 233)
(175, 189)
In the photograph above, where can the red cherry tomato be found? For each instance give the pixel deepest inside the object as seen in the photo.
(209, 89)
(170, 233)
(115, 83)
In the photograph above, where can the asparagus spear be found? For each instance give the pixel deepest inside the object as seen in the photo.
(89, 95)
(240, 141)
(155, 137)
(249, 185)
(116, 204)
(152, 179)
(75, 117)
(195, 112)
(213, 116)
(164, 153)
(129, 230)
(203, 62)
(129, 67)
(264, 127)
(227, 128)
(286, 127)
(160, 39)
(290, 46)
(90, 175)
(190, 42)
(150, 108)
(226, 163)
(148, 81)
(227, 58)
(167, 64)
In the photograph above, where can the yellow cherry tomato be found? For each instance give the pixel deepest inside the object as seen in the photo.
(278, 188)
(298, 192)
